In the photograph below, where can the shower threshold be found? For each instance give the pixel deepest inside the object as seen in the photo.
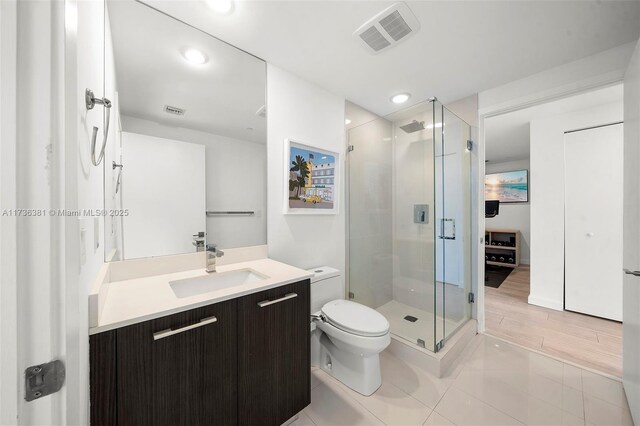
(416, 325)
(405, 337)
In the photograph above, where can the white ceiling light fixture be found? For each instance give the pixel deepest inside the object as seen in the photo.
(221, 7)
(194, 56)
(388, 28)
(347, 121)
(400, 98)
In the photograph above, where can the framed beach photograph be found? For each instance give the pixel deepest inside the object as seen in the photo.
(311, 179)
(508, 187)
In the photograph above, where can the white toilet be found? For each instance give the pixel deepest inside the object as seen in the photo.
(347, 337)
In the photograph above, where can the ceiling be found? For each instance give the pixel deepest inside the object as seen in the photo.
(463, 47)
(221, 96)
(507, 135)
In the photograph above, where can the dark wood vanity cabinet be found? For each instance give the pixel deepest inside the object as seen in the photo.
(243, 361)
(273, 355)
(180, 369)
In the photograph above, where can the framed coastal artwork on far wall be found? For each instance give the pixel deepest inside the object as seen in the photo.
(311, 179)
(508, 187)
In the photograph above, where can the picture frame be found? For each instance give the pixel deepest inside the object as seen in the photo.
(508, 187)
(311, 179)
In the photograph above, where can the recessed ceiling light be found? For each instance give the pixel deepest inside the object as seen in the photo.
(400, 98)
(195, 56)
(221, 7)
(347, 121)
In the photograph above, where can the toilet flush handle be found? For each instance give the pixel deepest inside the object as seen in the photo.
(319, 317)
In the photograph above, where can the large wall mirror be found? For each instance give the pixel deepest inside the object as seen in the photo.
(185, 158)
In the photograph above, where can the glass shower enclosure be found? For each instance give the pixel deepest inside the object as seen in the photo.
(409, 206)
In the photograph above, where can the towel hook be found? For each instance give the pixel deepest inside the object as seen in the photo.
(91, 101)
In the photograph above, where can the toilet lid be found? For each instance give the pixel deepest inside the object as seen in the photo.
(355, 318)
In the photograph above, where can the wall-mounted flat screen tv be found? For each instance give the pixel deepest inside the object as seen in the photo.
(508, 187)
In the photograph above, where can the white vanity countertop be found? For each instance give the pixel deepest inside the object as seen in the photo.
(140, 299)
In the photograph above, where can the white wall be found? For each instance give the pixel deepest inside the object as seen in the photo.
(547, 193)
(466, 109)
(517, 215)
(227, 160)
(587, 73)
(414, 248)
(307, 113)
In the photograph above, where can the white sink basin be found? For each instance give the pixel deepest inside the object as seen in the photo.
(214, 281)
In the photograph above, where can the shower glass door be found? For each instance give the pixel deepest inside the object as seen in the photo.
(370, 220)
(453, 218)
(409, 222)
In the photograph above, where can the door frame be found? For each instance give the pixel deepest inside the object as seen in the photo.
(8, 225)
(530, 100)
(26, 339)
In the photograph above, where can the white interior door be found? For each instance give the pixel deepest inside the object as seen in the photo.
(163, 188)
(631, 237)
(593, 221)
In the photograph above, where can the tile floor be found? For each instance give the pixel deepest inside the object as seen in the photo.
(590, 342)
(495, 383)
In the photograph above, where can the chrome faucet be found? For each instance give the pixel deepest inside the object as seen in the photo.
(212, 254)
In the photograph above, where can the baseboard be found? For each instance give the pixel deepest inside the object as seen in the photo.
(546, 303)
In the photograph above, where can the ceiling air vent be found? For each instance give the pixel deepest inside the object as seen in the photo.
(173, 110)
(388, 28)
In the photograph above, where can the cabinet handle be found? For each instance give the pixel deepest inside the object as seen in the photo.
(169, 332)
(282, 299)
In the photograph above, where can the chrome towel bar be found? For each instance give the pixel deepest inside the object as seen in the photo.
(230, 213)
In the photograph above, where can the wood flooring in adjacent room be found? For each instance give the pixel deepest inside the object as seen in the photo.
(590, 342)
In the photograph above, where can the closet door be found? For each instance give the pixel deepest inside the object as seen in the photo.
(593, 221)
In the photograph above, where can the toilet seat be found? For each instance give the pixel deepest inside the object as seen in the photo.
(355, 318)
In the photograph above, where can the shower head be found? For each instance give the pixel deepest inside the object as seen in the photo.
(414, 126)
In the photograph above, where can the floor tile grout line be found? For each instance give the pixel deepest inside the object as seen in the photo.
(339, 383)
(506, 384)
(444, 417)
(308, 416)
(557, 358)
(490, 405)
(581, 390)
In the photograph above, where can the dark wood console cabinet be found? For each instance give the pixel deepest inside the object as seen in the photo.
(243, 361)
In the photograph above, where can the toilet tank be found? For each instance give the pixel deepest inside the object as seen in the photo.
(326, 285)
